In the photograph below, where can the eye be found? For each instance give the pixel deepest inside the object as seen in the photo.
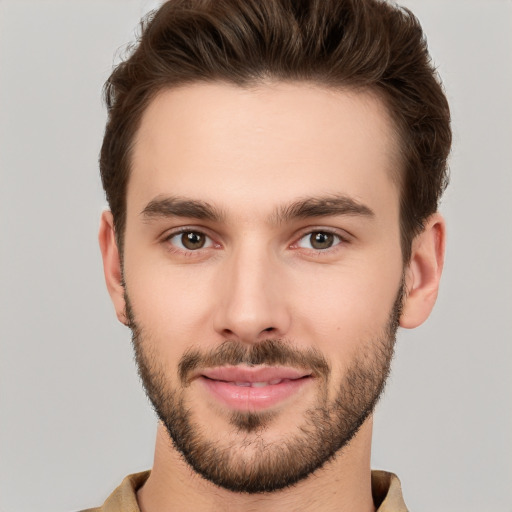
(319, 240)
(190, 240)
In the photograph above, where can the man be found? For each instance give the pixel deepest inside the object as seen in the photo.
(273, 170)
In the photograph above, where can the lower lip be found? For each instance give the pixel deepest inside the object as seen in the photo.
(254, 399)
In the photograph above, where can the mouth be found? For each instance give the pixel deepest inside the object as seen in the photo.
(254, 389)
(273, 382)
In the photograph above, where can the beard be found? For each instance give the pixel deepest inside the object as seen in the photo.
(253, 464)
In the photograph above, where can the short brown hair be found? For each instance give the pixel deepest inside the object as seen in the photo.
(368, 44)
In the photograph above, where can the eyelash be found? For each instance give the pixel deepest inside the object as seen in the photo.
(187, 252)
(340, 240)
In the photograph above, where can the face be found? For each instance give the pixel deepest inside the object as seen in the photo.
(263, 273)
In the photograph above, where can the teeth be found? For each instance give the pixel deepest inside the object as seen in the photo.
(259, 384)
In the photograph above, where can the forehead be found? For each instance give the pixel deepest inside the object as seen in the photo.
(263, 146)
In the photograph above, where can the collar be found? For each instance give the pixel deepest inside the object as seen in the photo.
(386, 490)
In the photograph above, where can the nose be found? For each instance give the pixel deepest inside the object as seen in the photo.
(252, 304)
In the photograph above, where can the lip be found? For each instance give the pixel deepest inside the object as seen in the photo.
(221, 383)
(253, 374)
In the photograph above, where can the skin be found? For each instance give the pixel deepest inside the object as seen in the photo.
(250, 153)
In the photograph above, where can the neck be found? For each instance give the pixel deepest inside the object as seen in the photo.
(342, 484)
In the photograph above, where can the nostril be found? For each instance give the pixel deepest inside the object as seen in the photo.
(269, 329)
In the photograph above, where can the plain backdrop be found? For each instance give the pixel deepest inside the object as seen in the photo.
(73, 418)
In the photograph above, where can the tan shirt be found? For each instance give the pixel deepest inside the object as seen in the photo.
(386, 489)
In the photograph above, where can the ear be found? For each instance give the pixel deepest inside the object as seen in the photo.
(423, 273)
(112, 265)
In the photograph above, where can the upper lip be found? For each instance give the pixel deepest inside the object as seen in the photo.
(253, 374)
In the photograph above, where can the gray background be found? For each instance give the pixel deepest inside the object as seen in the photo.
(73, 419)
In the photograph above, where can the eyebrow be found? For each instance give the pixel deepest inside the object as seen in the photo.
(322, 206)
(318, 206)
(164, 207)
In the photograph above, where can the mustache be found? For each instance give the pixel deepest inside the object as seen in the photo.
(271, 352)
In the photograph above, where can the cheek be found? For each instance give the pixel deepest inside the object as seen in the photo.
(169, 304)
(346, 308)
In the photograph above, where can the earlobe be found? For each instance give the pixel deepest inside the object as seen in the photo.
(112, 265)
(423, 273)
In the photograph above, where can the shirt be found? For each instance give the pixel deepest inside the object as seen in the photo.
(386, 490)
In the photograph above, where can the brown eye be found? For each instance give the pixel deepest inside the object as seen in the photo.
(319, 240)
(193, 240)
(189, 241)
